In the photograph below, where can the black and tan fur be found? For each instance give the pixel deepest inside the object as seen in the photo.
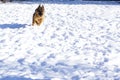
(38, 15)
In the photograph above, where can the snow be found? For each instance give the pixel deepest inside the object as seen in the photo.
(75, 42)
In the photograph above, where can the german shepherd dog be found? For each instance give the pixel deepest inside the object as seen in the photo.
(38, 15)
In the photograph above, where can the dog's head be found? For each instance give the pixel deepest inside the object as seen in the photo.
(40, 10)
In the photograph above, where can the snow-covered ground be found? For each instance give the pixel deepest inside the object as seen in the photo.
(75, 42)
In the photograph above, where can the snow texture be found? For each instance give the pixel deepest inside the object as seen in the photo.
(75, 42)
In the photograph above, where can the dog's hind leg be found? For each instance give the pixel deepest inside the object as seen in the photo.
(33, 22)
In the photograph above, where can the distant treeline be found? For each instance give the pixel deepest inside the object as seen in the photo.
(12, 0)
(56, 0)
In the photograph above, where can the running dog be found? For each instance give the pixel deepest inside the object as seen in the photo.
(38, 15)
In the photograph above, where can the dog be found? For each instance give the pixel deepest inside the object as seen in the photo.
(38, 15)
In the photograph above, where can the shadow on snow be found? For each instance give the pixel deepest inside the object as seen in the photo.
(13, 26)
(15, 78)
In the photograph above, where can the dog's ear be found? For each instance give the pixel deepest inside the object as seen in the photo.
(42, 7)
(39, 6)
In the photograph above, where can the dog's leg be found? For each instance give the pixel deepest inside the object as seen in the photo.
(33, 22)
(39, 21)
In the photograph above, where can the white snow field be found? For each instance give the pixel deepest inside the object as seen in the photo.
(75, 42)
